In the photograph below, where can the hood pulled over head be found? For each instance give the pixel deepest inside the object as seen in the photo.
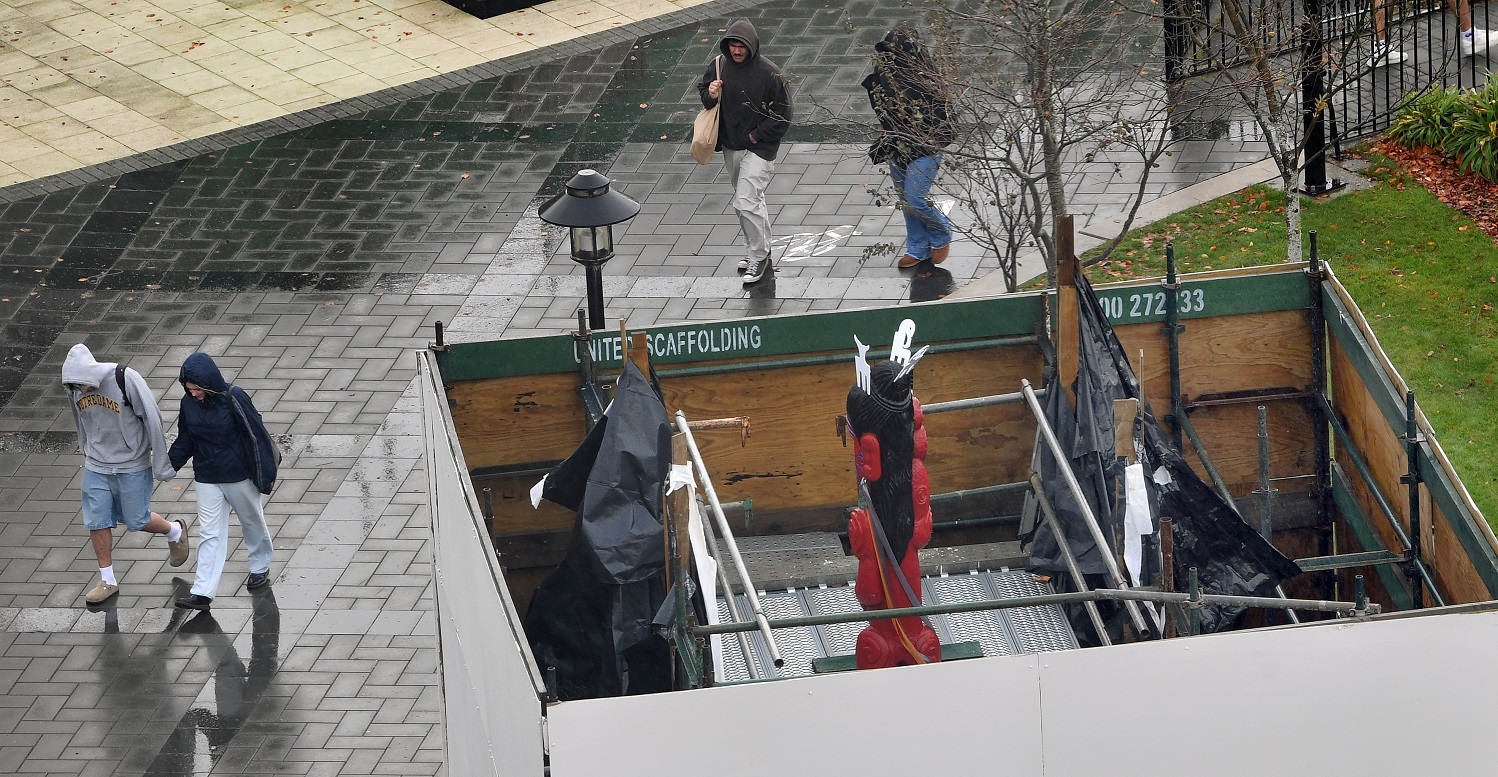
(82, 368)
(200, 370)
(902, 48)
(743, 32)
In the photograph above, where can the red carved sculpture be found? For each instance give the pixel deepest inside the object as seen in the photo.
(889, 456)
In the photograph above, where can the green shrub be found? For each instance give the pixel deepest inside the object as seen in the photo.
(1460, 123)
(1474, 135)
(1427, 119)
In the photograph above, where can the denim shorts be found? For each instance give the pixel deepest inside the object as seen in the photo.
(110, 500)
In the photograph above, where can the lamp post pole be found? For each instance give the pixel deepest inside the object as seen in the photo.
(595, 294)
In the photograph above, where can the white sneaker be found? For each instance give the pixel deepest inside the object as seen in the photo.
(1383, 56)
(1479, 42)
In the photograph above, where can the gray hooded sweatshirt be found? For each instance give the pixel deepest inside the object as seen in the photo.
(116, 439)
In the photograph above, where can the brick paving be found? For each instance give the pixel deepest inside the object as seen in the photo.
(310, 261)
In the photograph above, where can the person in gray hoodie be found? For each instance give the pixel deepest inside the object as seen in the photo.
(120, 435)
(754, 113)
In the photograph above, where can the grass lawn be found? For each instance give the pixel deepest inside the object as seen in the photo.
(1425, 276)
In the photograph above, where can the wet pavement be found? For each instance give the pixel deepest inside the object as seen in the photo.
(310, 258)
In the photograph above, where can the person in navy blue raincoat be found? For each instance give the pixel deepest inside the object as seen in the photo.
(234, 463)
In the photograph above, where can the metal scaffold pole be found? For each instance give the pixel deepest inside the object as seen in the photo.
(727, 533)
(1090, 519)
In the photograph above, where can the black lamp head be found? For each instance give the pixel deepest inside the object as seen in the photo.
(589, 201)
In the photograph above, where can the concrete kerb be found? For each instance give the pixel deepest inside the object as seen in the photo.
(1150, 212)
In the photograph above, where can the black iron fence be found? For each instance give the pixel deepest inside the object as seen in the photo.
(1377, 52)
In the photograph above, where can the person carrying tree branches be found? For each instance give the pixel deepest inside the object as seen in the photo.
(907, 94)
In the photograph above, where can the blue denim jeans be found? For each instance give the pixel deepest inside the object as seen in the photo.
(110, 500)
(925, 226)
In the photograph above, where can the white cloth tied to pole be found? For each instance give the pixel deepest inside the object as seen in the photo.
(1137, 521)
(707, 566)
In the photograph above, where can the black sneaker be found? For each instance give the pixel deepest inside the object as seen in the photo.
(758, 269)
(743, 265)
(257, 580)
(194, 602)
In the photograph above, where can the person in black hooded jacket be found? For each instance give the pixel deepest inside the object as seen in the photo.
(234, 463)
(915, 123)
(754, 113)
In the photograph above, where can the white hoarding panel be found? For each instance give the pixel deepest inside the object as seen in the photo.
(1413, 696)
(939, 719)
(491, 693)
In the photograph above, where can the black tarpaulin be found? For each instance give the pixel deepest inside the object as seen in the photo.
(1230, 557)
(1096, 483)
(590, 618)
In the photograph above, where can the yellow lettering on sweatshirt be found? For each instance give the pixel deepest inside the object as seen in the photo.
(91, 400)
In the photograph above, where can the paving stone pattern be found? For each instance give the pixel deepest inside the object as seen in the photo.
(310, 264)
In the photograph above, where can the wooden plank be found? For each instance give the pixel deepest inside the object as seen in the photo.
(1358, 411)
(1348, 329)
(638, 353)
(1297, 544)
(1066, 332)
(1254, 352)
(1231, 353)
(1457, 577)
(679, 508)
(1124, 413)
(794, 459)
(492, 416)
(1066, 341)
(1230, 434)
(1468, 528)
(513, 513)
(536, 549)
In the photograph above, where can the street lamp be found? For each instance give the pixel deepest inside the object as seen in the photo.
(590, 209)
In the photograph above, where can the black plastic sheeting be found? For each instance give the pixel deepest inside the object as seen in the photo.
(590, 619)
(1230, 556)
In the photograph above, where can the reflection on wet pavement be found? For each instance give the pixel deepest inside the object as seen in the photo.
(931, 282)
(203, 736)
(761, 295)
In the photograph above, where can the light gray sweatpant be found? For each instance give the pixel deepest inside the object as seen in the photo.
(215, 500)
(750, 175)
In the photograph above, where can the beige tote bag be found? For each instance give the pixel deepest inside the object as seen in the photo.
(705, 126)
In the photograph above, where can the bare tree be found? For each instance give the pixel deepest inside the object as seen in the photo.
(1282, 62)
(1046, 92)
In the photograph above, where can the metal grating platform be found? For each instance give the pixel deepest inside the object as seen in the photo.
(998, 632)
(818, 559)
